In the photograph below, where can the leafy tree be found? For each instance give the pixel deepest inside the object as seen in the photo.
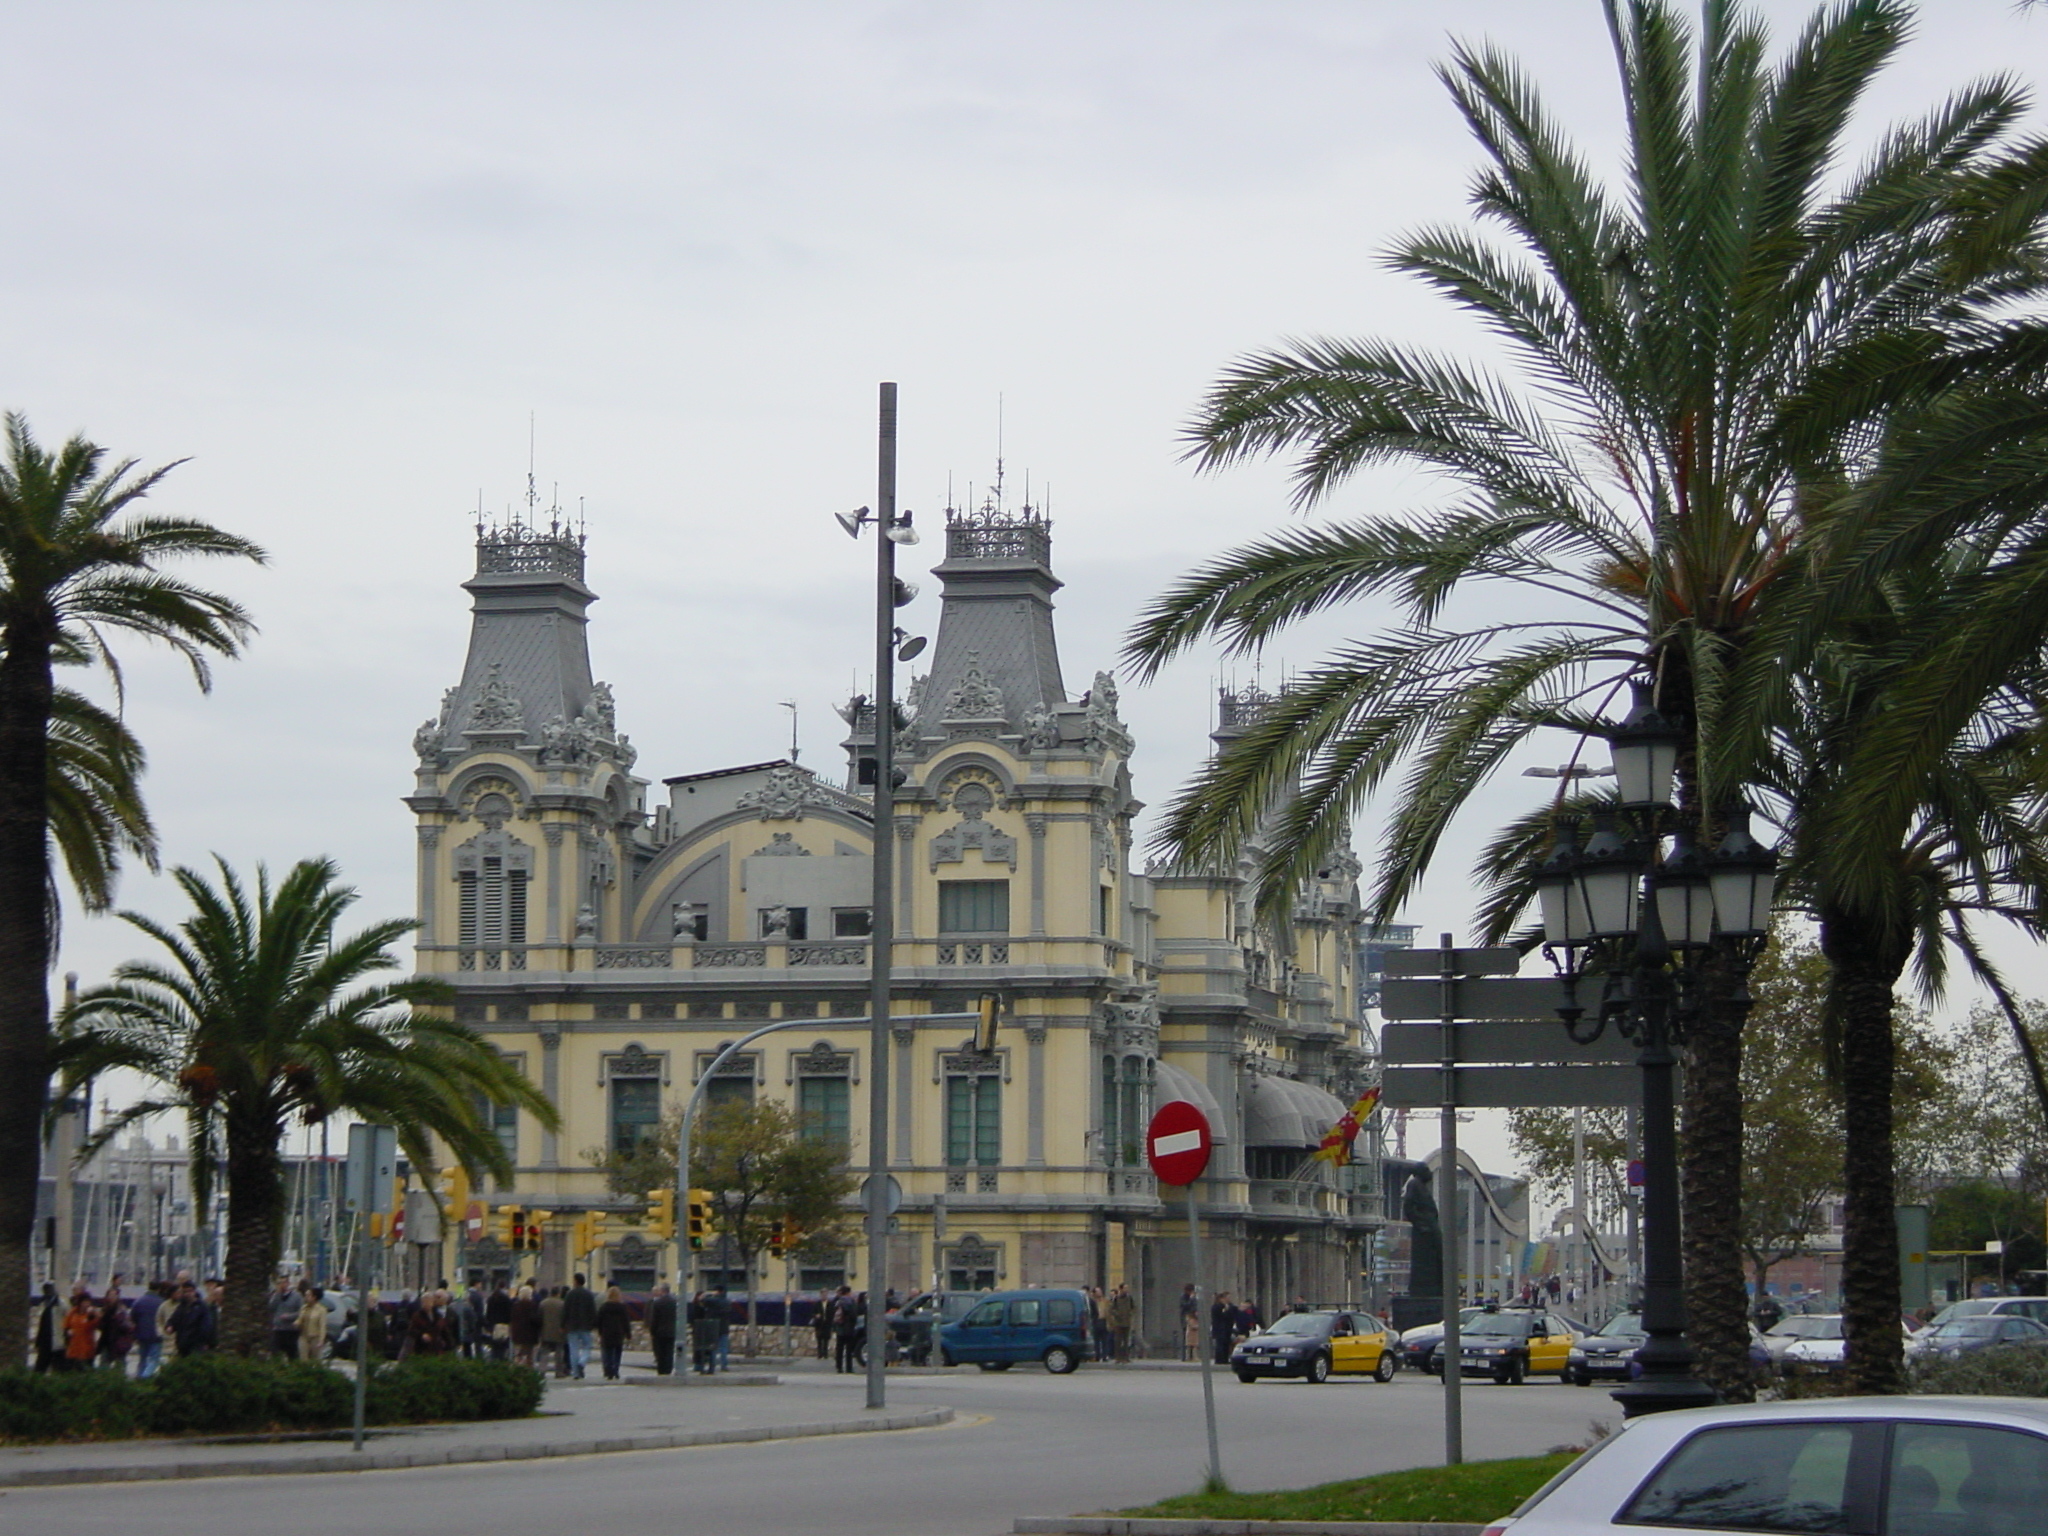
(265, 1012)
(78, 565)
(761, 1168)
(1700, 362)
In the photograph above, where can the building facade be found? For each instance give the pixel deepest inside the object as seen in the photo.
(610, 947)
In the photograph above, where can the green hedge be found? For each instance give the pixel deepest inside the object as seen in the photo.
(2013, 1370)
(216, 1394)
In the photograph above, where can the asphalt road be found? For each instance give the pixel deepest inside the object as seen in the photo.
(1025, 1444)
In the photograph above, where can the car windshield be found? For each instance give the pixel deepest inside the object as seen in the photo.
(1954, 1310)
(1808, 1328)
(1622, 1325)
(1967, 1328)
(1302, 1324)
(1496, 1324)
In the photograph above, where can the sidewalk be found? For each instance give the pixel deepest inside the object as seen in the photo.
(577, 1418)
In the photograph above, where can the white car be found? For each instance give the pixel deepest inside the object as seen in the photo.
(1875, 1466)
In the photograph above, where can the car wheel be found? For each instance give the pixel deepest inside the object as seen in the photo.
(946, 1359)
(1518, 1369)
(1247, 1377)
(993, 1365)
(1061, 1361)
(1384, 1371)
(1318, 1369)
(1581, 1377)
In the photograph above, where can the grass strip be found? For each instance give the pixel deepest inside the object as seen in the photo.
(1477, 1491)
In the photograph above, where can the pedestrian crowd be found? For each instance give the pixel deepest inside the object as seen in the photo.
(108, 1331)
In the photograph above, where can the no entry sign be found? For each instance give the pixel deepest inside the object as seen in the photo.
(1177, 1143)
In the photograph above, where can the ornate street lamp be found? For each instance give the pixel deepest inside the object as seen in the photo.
(1649, 930)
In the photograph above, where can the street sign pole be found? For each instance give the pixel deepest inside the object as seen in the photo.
(1447, 1211)
(1206, 1348)
(1177, 1144)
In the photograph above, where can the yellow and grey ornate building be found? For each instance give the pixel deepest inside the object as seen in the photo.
(610, 948)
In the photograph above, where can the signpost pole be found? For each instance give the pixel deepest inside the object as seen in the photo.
(1447, 1213)
(1206, 1349)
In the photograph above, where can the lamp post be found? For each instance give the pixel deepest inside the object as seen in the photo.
(891, 644)
(1658, 929)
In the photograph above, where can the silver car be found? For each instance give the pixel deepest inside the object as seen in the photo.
(1879, 1466)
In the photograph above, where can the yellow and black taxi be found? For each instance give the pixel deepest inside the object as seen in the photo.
(1316, 1344)
(1512, 1344)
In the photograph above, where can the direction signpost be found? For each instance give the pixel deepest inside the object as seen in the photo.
(1177, 1144)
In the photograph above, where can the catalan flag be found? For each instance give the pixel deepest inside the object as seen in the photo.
(1336, 1147)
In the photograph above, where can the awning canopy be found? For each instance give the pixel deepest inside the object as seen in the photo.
(1172, 1083)
(1279, 1112)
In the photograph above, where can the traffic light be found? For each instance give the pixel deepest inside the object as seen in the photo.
(508, 1227)
(534, 1222)
(454, 1192)
(661, 1214)
(785, 1239)
(699, 1217)
(989, 1007)
(585, 1236)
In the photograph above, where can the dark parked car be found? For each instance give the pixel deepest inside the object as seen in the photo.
(1317, 1345)
(1968, 1334)
(1606, 1355)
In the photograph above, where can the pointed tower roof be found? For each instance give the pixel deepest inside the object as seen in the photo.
(529, 656)
(995, 656)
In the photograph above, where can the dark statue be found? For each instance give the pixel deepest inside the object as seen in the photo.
(1425, 1237)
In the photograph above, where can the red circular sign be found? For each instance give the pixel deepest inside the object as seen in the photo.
(1177, 1142)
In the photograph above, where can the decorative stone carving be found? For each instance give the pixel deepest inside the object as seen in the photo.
(821, 1060)
(775, 921)
(1041, 729)
(586, 922)
(974, 697)
(497, 710)
(1101, 725)
(601, 712)
(973, 801)
(688, 920)
(427, 741)
(785, 794)
(783, 845)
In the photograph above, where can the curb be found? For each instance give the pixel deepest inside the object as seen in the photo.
(1119, 1525)
(392, 1461)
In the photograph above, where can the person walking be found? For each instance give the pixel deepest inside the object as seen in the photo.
(428, 1333)
(81, 1330)
(661, 1328)
(313, 1324)
(523, 1322)
(721, 1312)
(579, 1324)
(1190, 1322)
(475, 1335)
(1098, 1324)
(847, 1323)
(117, 1328)
(497, 1325)
(821, 1322)
(149, 1339)
(614, 1323)
(49, 1330)
(553, 1336)
(285, 1306)
(1123, 1317)
(703, 1335)
(1222, 1328)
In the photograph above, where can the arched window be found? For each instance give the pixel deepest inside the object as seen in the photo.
(492, 869)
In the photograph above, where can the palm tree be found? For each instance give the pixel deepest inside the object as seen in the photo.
(78, 564)
(264, 1014)
(1700, 362)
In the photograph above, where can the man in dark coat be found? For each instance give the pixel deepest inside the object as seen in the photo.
(849, 1324)
(193, 1323)
(661, 1328)
(579, 1324)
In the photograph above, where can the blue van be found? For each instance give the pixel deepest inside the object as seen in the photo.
(1007, 1326)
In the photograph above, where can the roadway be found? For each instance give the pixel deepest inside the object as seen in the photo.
(1025, 1444)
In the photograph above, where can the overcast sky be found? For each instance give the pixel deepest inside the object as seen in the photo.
(339, 255)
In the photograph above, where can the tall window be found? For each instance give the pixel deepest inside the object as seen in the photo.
(822, 1105)
(636, 1112)
(491, 871)
(974, 906)
(974, 1119)
(1124, 1111)
(503, 1119)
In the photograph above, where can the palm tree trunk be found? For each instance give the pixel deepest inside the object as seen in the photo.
(1716, 1302)
(1865, 967)
(255, 1225)
(25, 694)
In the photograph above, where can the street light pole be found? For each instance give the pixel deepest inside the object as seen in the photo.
(881, 918)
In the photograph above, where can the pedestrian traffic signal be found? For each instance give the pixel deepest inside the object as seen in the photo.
(699, 1217)
(661, 1214)
(535, 1220)
(508, 1227)
(454, 1192)
(989, 1007)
